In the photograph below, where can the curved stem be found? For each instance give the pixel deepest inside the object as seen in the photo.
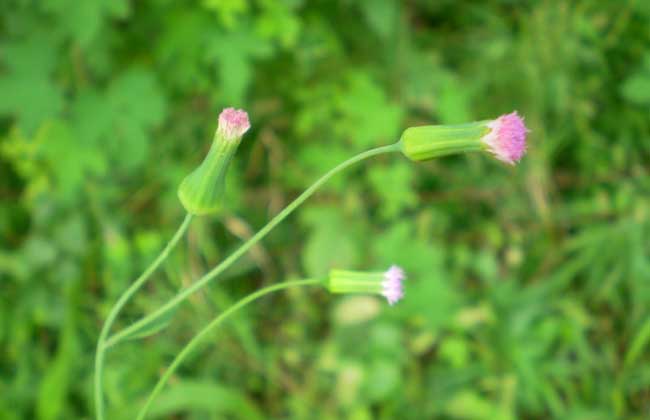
(184, 294)
(189, 347)
(101, 342)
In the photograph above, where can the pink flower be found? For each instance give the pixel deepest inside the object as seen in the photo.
(233, 123)
(393, 289)
(507, 138)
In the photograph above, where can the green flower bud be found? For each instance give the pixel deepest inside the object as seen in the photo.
(504, 138)
(201, 191)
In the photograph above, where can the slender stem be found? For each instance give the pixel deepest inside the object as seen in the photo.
(184, 294)
(101, 342)
(189, 347)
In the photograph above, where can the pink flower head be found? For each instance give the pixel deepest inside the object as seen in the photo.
(507, 138)
(393, 289)
(233, 123)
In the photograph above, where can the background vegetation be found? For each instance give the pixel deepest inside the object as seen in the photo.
(529, 288)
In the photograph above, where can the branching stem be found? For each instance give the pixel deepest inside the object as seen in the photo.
(196, 340)
(140, 281)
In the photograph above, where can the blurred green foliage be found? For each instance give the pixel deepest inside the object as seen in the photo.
(529, 288)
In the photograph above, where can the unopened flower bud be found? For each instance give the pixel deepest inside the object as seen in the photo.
(202, 190)
(504, 138)
(387, 283)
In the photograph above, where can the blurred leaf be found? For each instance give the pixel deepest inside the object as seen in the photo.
(204, 396)
(470, 405)
(53, 392)
(71, 236)
(279, 22)
(228, 10)
(383, 379)
(234, 52)
(368, 119)
(382, 16)
(455, 351)
(429, 294)
(453, 100)
(84, 20)
(636, 89)
(638, 344)
(69, 160)
(393, 183)
(137, 106)
(29, 92)
(356, 310)
(331, 243)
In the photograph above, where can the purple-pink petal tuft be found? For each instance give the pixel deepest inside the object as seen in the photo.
(233, 123)
(393, 290)
(507, 138)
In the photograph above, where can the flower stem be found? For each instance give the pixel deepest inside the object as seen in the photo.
(115, 310)
(189, 347)
(184, 294)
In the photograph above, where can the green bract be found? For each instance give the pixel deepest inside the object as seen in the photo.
(431, 141)
(202, 190)
(345, 281)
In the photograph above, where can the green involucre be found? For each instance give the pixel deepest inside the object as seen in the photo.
(344, 281)
(201, 192)
(431, 141)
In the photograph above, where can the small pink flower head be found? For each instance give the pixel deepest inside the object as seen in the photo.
(507, 138)
(233, 123)
(384, 283)
(393, 289)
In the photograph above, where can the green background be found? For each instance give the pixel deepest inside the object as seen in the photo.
(529, 287)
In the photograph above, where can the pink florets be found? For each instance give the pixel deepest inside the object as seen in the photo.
(507, 138)
(393, 289)
(233, 123)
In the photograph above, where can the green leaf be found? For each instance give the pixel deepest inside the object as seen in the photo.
(468, 404)
(229, 11)
(453, 99)
(137, 106)
(331, 243)
(57, 380)
(181, 51)
(70, 159)
(234, 53)
(383, 379)
(279, 22)
(209, 397)
(393, 183)
(429, 293)
(640, 341)
(29, 93)
(84, 20)
(382, 16)
(136, 94)
(367, 116)
(92, 118)
(636, 89)
(53, 161)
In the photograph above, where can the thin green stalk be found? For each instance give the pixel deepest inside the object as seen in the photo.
(184, 294)
(101, 342)
(211, 326)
